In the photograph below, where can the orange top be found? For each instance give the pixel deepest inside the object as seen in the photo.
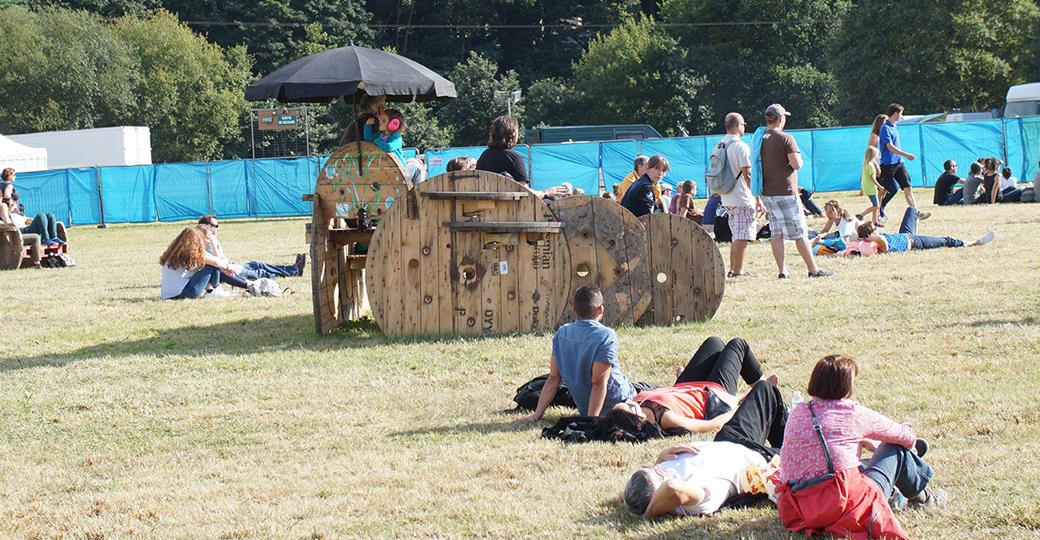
(688, 399)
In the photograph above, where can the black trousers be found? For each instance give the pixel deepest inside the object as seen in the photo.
(760, 419)
(722, 363)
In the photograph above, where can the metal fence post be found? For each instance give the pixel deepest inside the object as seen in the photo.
(100, 198)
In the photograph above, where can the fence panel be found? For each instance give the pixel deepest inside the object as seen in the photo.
(229, 186)
(577, 163)
(838, 158)
(962, 142)
(128, 193)
(616, 159)
(84, 203)
(182, 191)
(44, 192)
(279, 185)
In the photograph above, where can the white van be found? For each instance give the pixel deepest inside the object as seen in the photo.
(1023, 100)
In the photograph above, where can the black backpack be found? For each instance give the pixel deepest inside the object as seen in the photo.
(528, 393)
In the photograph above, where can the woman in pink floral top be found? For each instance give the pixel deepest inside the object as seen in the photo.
(896, 467)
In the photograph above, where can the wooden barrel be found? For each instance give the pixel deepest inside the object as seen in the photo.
(608, 248)
(483, 255)
(10, 247)
(686, 272)
(355, 177)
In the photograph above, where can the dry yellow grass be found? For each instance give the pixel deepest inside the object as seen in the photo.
(124, 416)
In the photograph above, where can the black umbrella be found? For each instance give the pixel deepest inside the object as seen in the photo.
(351, 71)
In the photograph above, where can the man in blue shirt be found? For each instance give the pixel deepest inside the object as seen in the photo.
(585, 358)
(640, 198)
(892, 170)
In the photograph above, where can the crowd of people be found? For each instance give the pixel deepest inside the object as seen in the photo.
(37, 232)
(808, 458)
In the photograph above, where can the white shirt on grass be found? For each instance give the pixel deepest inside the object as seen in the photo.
(174, 280)
(716, 468)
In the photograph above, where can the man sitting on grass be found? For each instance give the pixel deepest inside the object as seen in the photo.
(585, 358)
(699, 477)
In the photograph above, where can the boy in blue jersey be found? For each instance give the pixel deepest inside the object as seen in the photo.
(893, 173)
(585, 358)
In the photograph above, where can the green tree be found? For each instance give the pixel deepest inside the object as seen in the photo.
(469, 115)
(274, 31)
(105, 8)
(751, 65)
(189, 92)
(941, 55)
(62, 70)
(636, 74)
(554, 102)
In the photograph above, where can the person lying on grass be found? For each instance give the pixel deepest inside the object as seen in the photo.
(907, 238)
(703, 397)
(700, 477)
(585, 358)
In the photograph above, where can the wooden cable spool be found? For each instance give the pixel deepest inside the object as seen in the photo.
(10, 247)
(356, 176)
(686, 272)
(608, 247)
(482, 255)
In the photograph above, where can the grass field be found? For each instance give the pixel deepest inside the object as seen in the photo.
(124, 416)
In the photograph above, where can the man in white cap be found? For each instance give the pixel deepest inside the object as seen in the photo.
(781, 160)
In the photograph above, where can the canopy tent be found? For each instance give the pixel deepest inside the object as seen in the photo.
(20, 157)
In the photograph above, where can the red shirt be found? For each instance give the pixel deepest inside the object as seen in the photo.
(687, 399)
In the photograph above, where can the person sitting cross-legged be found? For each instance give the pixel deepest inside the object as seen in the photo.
(704, 395)
(699, 477)
(585, 358)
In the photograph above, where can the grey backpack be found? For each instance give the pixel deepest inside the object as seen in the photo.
(720, 178)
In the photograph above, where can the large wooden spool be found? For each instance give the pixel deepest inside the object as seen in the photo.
(686, 272)
(482, 255)
(10, 247)
(355, 177)
(608, 248)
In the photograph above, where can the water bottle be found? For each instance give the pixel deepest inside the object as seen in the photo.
(796, 399)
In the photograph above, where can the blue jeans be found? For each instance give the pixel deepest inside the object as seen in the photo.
(1011, 195)
(909, 226)
(894, 468)
(957, 197)
(254, 270)
(44, 225)
(196, 286)
(806, 196)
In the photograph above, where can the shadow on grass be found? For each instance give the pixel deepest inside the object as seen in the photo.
(479, 427)
(238, 337)
(612, 513)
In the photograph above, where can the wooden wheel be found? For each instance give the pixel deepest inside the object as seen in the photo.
(608, 248)
(482, 255)
(355, 177)
(10, 247)
(686, 271)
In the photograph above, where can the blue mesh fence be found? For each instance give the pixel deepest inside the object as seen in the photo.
(274, 187)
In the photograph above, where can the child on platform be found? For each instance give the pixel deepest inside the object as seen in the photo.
(388, 137)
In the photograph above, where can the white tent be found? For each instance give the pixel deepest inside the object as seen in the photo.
(22, 158)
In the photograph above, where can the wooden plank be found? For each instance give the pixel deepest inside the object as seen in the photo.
(411, 276)
(445, 251)
(508, 268)
(692, 265)
(307, 197)
(491, 281)
(608, 247)
(551, 227)
(469, 270)
(473, 195)
(343, 237)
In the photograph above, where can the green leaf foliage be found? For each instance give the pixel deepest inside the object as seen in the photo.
(749, 66)
(940, 55)
(636, 74)
(469, 115)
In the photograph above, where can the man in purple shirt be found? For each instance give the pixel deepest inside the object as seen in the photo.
(892, 170)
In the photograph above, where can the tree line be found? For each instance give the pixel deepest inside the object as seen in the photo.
(180, 67)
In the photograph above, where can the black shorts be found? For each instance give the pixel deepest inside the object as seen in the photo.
(894, 174)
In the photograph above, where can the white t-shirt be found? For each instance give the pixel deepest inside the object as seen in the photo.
(716, 468)
(847, 228)
(1007, 182)
(173, 281)
(738, 156)
(18, 220)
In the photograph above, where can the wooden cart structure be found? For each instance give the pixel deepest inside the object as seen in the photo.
(473, 252)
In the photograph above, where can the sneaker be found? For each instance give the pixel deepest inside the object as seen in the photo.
(220, 292)
(986, 238)
(736, 275)
(930, 498)
(921, 446)
(301, 263)
(820, 273)
(924, 215)
(782, 275)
